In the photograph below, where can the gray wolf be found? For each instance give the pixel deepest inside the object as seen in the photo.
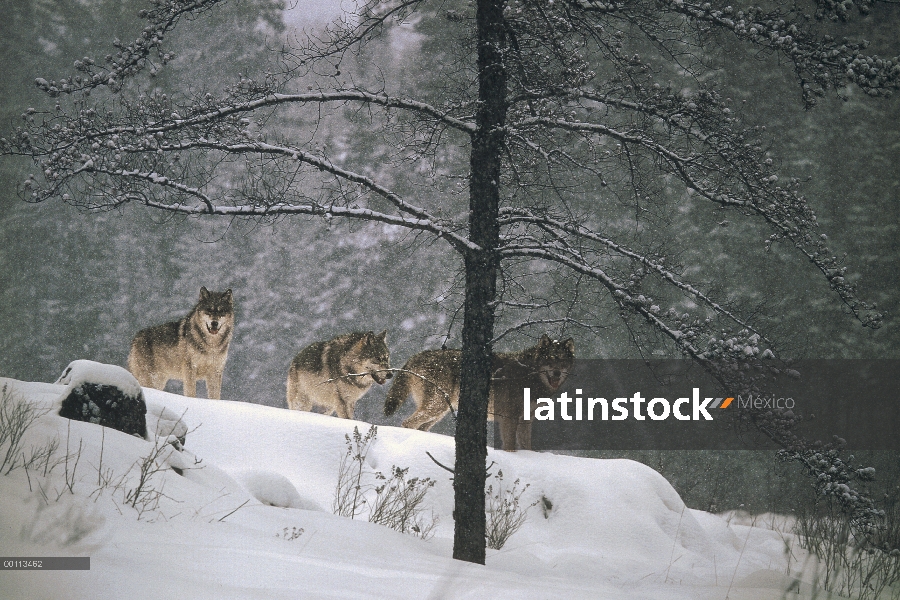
(335, 374)
(432, 377)
(194, 348)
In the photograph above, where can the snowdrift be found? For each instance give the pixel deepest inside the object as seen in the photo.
(244, 511)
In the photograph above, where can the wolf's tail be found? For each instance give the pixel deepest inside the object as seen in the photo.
(398, 393)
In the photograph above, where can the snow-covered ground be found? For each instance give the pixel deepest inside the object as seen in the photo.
(249, 517)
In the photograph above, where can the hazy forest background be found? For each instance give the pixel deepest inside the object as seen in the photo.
(77, 285)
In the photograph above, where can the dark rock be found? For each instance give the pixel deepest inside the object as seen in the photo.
(108, 406)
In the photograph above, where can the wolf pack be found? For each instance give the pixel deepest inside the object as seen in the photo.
(334, 374)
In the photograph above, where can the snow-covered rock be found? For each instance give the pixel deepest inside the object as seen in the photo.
(80, 371)
(105, 395)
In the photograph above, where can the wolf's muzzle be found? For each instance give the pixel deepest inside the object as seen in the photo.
(554, 378)
(380, 378)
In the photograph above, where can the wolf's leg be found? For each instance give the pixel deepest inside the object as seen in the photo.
(508, 432)
(524, 434)
(423, 419)
(293, 394)
(145, 376)
(303, 402)
(297, 398)
(429, 424)
(416, 420)
(189, 380)
(156, 381)
(343, 407)
(214, 385)
(343, 411)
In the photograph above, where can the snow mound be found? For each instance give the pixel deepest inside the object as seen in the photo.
(244, 509)
(164, 422)
(274, 489)
(88, 371)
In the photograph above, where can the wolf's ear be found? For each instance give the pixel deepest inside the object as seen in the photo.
(204, 293)
(383, 335)
(570, 346)
(545, 340)
(227, 294)
(362, 341)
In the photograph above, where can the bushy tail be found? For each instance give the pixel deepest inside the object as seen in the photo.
(397, 394)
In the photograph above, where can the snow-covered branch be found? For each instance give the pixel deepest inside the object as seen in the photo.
(717, 167)
(322, 164)
(418, 221)
(201, 115)
(521, 216)
(820, 61)
(132, 58)
(251, 210)
(620, 294)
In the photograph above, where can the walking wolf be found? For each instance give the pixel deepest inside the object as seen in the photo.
(335, 374)
(432, 377)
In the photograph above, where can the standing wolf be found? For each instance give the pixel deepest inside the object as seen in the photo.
(335, 374)
(193, 348)
(432, 377)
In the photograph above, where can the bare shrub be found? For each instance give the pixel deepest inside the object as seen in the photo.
(145, 495)
(864, 564)
(289, 535)
(398, 501)
(16, 416)
(505, 511)
(398, 504)
(71, 461)
(41, 455)
(349, 495)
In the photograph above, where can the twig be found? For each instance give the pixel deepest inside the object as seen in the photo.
(234, 511)
(487, 471)
(674, 543)
(740, 556)
(26, 472)
(102, 444)
(445, 467)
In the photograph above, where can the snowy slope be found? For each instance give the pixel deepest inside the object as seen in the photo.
(616, 528)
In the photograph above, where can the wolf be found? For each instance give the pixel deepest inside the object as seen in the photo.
(432, 377)
(335, 374)
(194, 348)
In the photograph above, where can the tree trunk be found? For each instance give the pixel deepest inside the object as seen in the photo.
(481, 287)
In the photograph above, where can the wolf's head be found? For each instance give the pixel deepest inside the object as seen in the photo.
(552, 360)
(370, 355)
(215, 310)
